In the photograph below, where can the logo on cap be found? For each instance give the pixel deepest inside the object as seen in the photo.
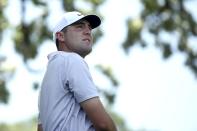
(79, 14)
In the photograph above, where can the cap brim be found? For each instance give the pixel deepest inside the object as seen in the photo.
(94, 20)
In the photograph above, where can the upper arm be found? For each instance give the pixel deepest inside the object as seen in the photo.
(80, 80)
(97, 114)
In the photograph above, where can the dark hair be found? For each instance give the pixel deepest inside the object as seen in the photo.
(57, 43)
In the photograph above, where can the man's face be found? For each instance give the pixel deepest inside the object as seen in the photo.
(78, 38)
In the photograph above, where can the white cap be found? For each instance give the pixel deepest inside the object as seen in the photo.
(71, 17)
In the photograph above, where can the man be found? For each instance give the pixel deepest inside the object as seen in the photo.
(69, 99)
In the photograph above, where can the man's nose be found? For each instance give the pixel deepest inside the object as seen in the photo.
(88, 29)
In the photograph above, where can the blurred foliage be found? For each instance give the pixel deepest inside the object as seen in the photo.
(29, 125)
(169, 16)
(3, 20)
(4, 94)
(6, 72)
(109, 73)
(121, 125)
(109, 94)
(28, 36)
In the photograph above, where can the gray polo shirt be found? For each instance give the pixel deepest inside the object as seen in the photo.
(67, 83)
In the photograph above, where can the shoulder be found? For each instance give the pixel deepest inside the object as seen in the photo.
(69, 59)
(68, 56)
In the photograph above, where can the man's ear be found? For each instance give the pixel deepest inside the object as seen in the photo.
(60, 36)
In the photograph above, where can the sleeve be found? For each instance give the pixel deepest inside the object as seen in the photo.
(80, 80)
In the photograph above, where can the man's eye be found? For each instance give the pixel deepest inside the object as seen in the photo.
(90, 27)
(80, 26)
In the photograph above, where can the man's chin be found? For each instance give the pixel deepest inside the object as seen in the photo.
(85, 53)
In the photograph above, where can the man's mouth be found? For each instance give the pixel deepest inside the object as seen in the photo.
(87, 40)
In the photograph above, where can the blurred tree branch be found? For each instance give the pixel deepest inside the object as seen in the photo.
(169, 16)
